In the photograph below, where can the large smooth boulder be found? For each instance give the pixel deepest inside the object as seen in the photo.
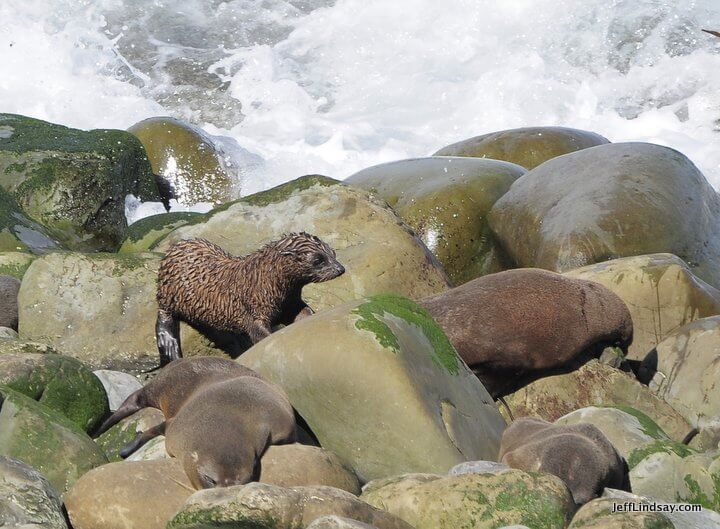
(61, 383)
(595, 384)
(98, 308)
(15, 263)
(27, 500)
(21, 233)
(610, 201)
(686, 373)
(528, 147)
(263, 506)
(446, 201)
(45, 440)
(480, 501)
(187, 159)
(517, 326)
(146, 232)
(128, 495)
(74, 181)
(660, 291)
(9, 287)
(378, 250)
(382, 387)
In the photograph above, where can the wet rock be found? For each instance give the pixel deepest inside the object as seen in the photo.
(384, 389)
(20, 233)
(528, 147)
(145, 233)
(118, 386)
(446, 201)
(9, 287)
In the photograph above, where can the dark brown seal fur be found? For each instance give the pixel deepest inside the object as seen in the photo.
(9, 288)
(219, 294)
(579, 454)
(517, 326)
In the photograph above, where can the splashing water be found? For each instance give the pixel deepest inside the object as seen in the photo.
(316, 86)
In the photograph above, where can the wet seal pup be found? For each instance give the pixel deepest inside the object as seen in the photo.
(221, 295)
(516, 326)
(220, 417)
(9, 288)
(579, 454)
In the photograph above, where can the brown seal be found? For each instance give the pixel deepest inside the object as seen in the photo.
(230, 298)
(9, 288)
(517, 326)
(579, 454)
(220, 417)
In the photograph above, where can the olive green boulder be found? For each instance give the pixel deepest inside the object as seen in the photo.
(61, 383)
(660, 291)
(596, 384)
(21, 233)
(610, 201)
(264, 506)
(145, 233)
(477, 501)
(187, 158)
(15, 263)
(98, 308)
(446, 201)
(45, 440)
(378, 250)
(74, 181)
(27, 499)
(126, 430)
(528, 147)
(382, 387)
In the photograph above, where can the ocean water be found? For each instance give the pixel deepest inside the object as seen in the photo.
(323, 86)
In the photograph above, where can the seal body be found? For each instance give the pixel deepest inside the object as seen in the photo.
(517, 326)
(579, 454)
(9, 288)
(230, 298)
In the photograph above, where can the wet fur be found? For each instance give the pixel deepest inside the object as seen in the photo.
(227, 297)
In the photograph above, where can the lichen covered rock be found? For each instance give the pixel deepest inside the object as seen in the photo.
(381, 386)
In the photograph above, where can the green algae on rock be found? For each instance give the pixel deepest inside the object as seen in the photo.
(126, 430)
(477, 501)
(389, 396)
(73, 181)
(19, 232)
(528, 147)
(15, 263)
(45, 440)
(446, 201)
(61, 383)
(145, 233)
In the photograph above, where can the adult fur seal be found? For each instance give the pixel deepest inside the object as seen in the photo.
(517, 326)
(220, 417)
(579, 454)
(222, 295)
(9, 288)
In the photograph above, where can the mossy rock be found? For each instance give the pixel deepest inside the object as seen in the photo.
(145, 233)
(61, 383)
(126, 430)
(15, 263)
(186, 157)
(665, 446)
(602, 513)
(446, 201)
(73, 181)
(45, 440)
(528, 147)
(383, 389)
(18, 231)
(480, 501)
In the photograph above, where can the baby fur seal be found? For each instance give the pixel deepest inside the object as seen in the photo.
(221, 295)
(220, 417)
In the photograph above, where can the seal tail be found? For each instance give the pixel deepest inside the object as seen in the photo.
(133, 403)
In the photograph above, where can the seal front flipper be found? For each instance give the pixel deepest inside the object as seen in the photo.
(167, 335)
(136, 401)
(141, 438)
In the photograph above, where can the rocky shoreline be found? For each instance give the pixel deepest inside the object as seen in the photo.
(403, 433)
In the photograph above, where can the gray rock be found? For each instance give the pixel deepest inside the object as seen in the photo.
(338, 522)
(6, 333)
(118, 386)
(478, 467)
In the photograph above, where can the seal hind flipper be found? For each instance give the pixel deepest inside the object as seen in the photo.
(135, 402)
(142, 438)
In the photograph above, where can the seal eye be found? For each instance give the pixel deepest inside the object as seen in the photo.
(319, 259)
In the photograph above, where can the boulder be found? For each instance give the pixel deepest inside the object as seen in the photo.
(27, 500)
(118, 386)
(683, 370)
(480, 501)
(187, 159)
(145, 233)
(17, 346)
(517, 326)
(528, 147)
(45, 440)
(59, 382)
(9, 287)
(660, 291)
(665, 446)
(446, 201)
(338, 522)
(19, 232)
(595, 384)
(6, 333)
(15, 263)
(98, 308)
(610, 201)
(128, 495)
(263, 506)
(477, 467)
(126, 430)
(74, 181)
(381, 386)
